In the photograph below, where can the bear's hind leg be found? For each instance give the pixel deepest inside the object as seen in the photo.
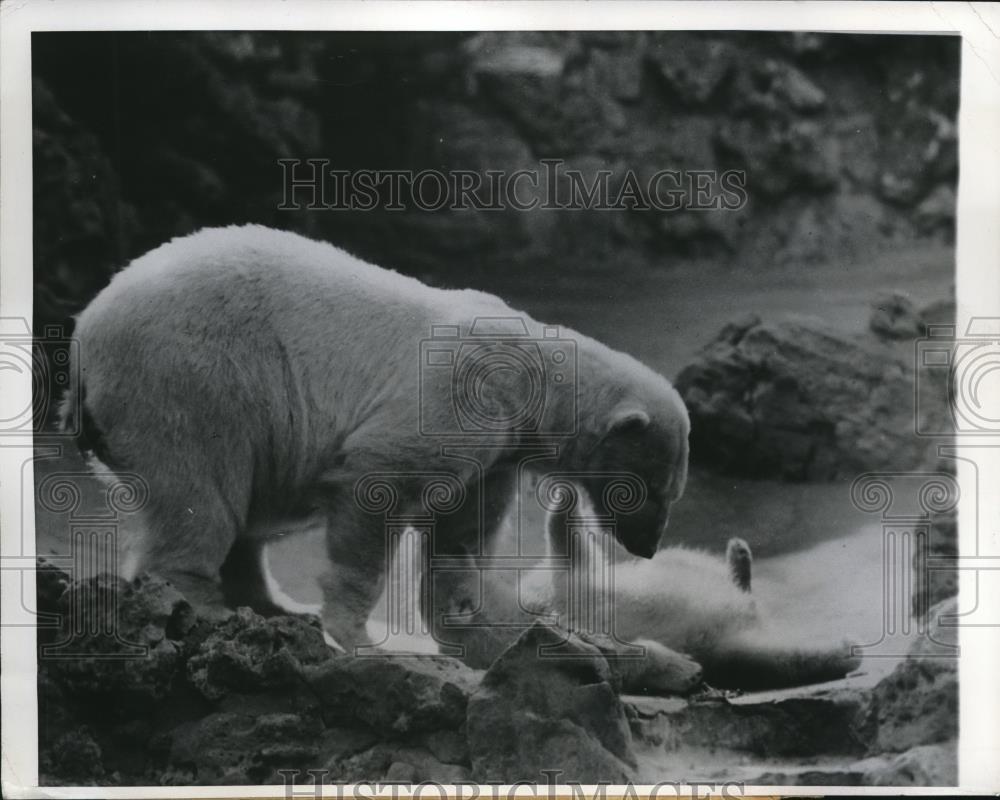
(186, 541)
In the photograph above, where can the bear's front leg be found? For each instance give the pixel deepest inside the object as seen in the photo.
(358, 550)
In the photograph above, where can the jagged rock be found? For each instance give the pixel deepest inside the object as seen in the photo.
(927, 765)
(447, 746)
(778, 87)
(799, 724)
(895, 317)
(248, 653)
(931, 586)
(548, 703)
(394, 763)
(917, 703)
(398, 694)
(921, 151)
(74, 757)
(244, 749)
(849, 775)
(691, 67)
(797, 400)
(117, 640)
(785, 158)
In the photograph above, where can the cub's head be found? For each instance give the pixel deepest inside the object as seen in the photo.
(647, 439)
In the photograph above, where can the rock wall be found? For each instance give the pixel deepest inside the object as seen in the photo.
(848, 143)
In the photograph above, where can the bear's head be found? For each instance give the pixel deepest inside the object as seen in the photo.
(645, 439)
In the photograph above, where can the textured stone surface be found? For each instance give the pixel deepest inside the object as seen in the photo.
(917, 703)
(548, 704)
(117, 640)
(230, 702)
(248, 653)
(797, 400)
(395, 693)
(895, 317)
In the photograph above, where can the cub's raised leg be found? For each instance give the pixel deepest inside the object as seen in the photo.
(740, 561)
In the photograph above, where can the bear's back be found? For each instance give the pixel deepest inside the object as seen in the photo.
(253, 287)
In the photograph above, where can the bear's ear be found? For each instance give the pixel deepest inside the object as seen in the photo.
(627, 419)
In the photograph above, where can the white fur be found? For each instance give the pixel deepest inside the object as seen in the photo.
(249, 373)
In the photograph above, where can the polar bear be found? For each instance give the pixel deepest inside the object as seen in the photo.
(698, 604)
(252, 376)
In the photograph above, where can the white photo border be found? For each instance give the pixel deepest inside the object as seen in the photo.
(977, 279)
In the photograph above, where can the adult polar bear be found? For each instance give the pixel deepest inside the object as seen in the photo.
(251, 375)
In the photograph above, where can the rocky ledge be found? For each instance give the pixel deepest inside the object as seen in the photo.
(136, 689)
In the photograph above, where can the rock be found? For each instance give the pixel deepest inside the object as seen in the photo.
(917, 703)
(396, 763)
(931, 586)
(777, 87)
(937, 211)
(798, 724)
(797, 400)
(243, 749)
(691, 66)
(447, 746)
(620, 71)
(249, 654)
(940, 312)
(915, 160)
(784, 157)
(117, 640)
(895, 317)
(397, 694)
(548, 703)
(74, 757)
(850, 775)
(927, 765)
